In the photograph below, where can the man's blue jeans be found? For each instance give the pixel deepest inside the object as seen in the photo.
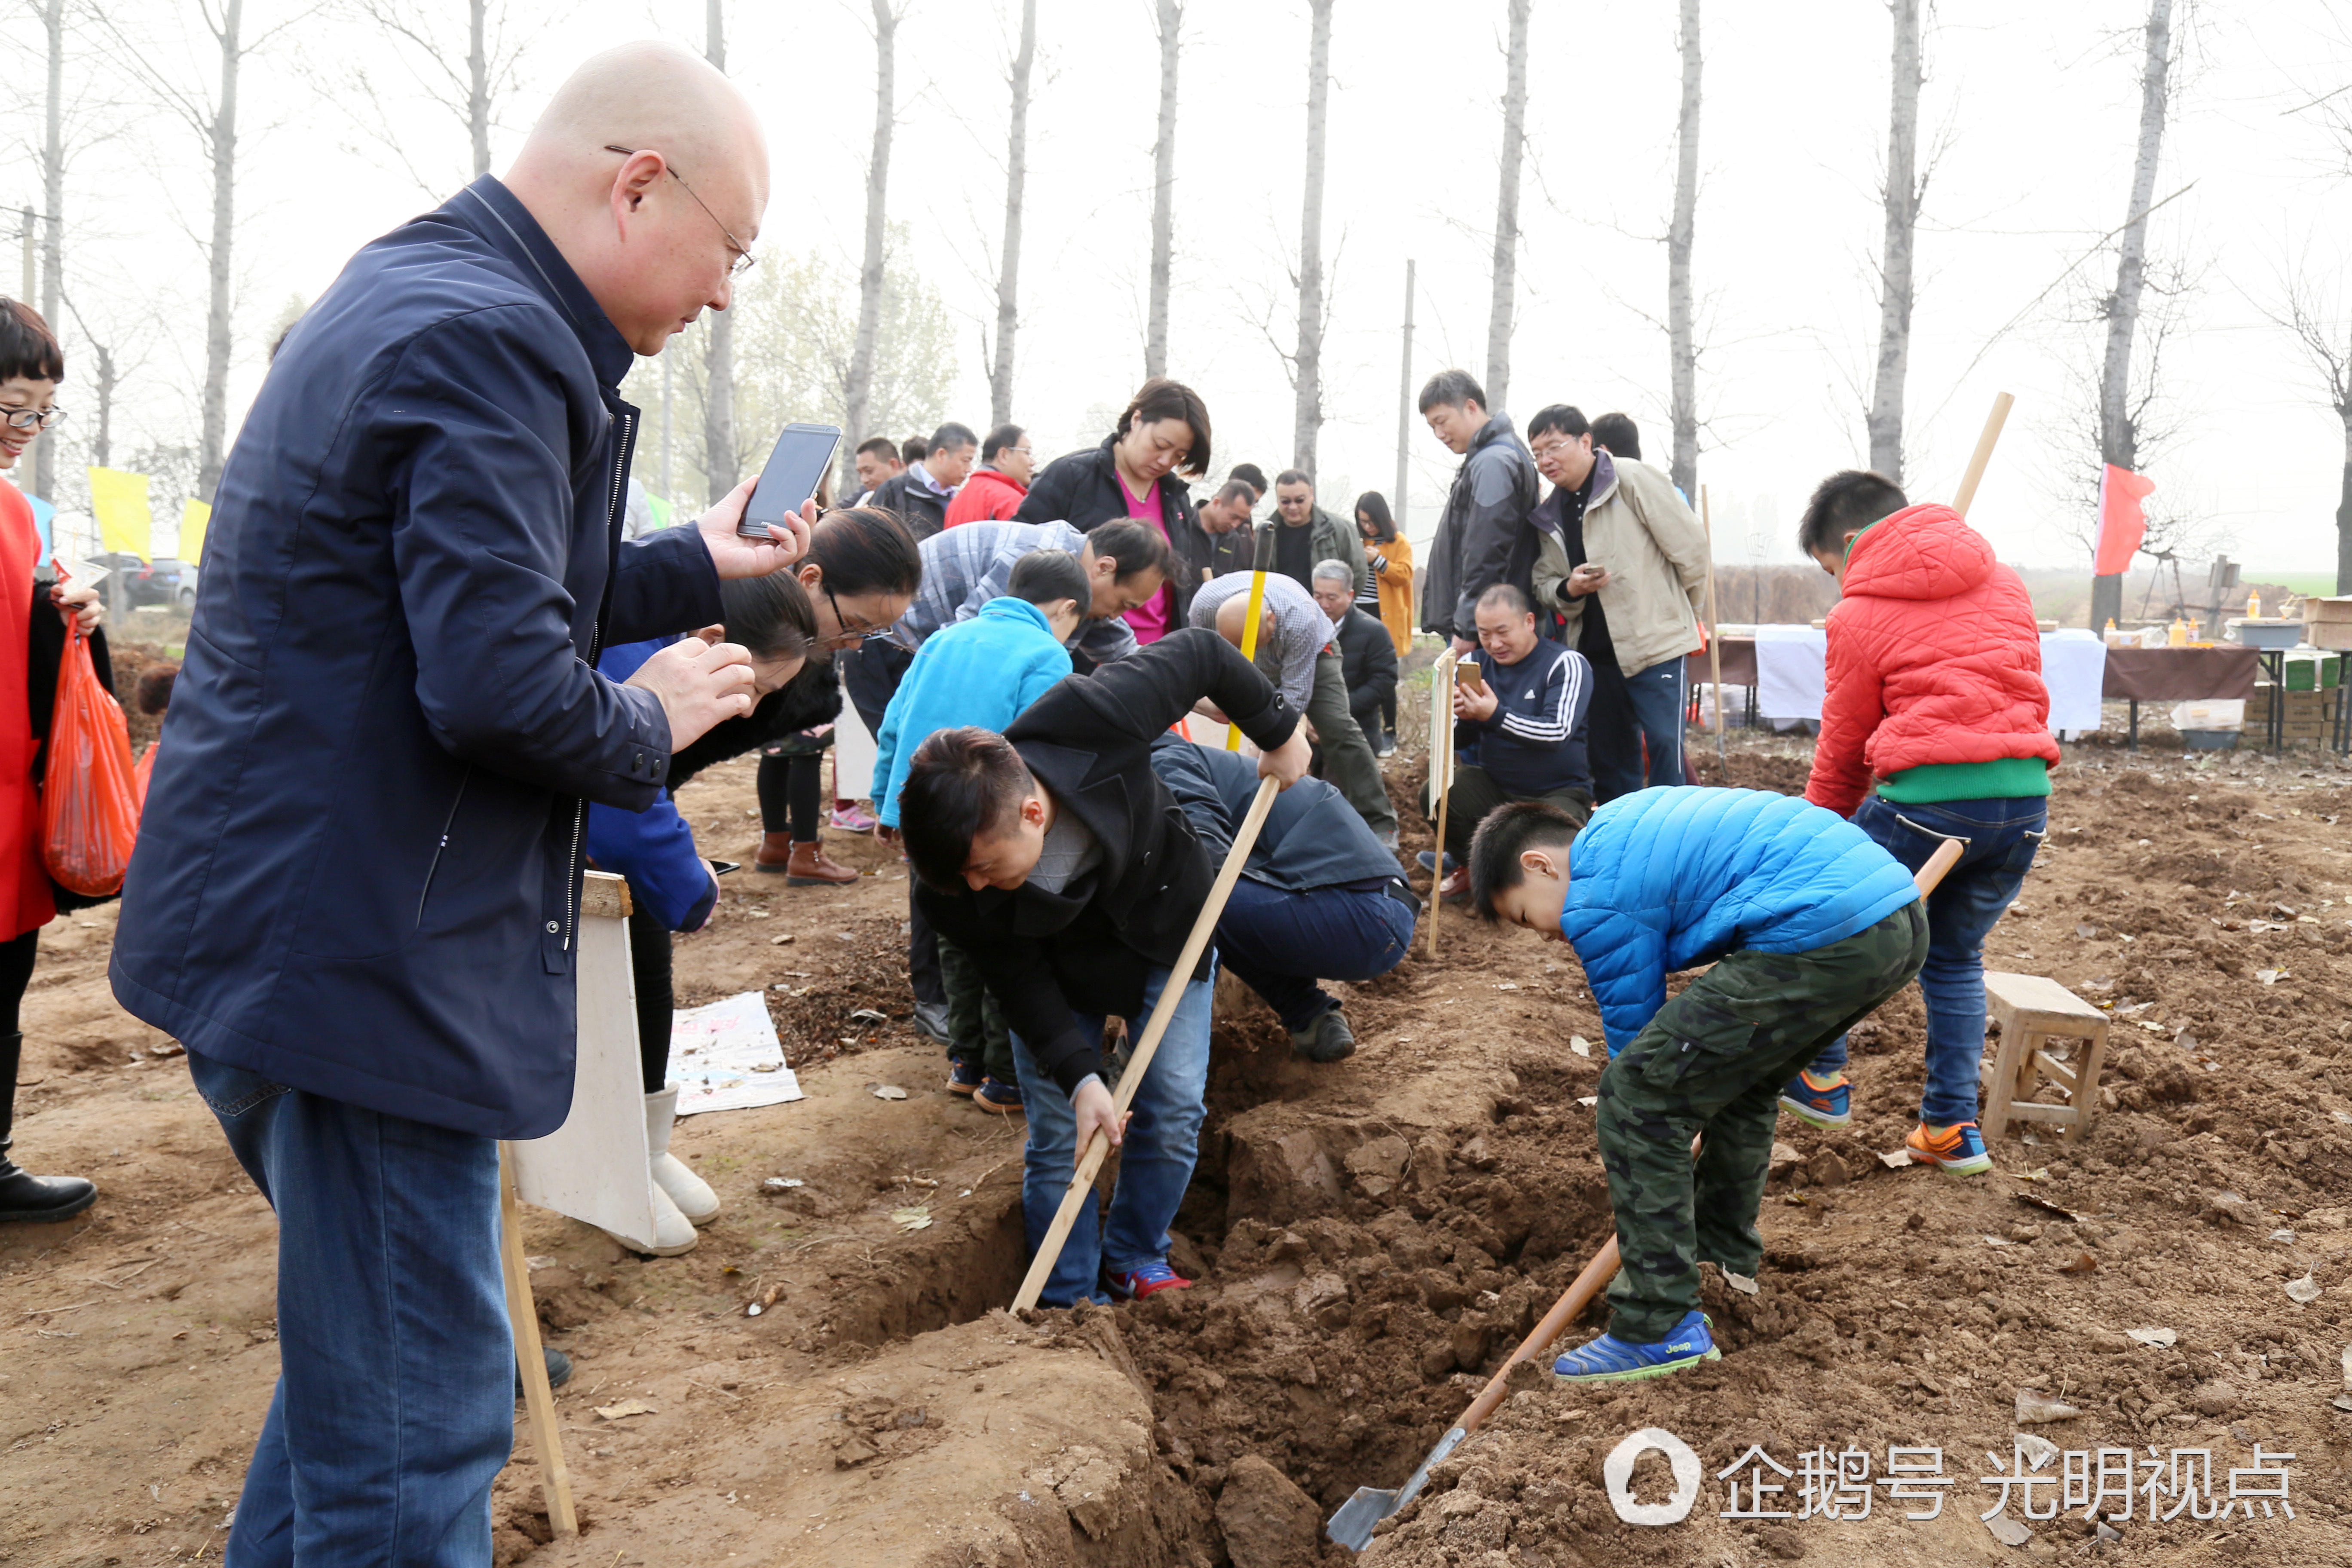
(1280, 942)
(2000, 837)
(1155, 1162)
(395, 1408)
(1632, 714)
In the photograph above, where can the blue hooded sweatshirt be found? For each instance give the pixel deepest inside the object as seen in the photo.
(1672, 879)
(980, 672)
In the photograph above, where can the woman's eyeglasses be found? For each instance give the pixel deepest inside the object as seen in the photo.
(31, 418)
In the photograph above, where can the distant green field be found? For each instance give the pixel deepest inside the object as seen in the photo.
(2296, 582)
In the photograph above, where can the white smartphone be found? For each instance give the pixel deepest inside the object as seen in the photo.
(796, 465)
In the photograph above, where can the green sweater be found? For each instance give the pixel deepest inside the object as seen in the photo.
(2004, 778)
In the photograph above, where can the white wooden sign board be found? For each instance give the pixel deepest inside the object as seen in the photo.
(595, 1166)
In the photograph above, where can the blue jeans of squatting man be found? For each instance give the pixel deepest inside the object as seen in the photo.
(1155, 1162)
(2001, 839)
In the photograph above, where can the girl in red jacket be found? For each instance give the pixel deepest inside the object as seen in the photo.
(1935, 726)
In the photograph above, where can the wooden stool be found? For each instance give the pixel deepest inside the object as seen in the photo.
(2032, 1011)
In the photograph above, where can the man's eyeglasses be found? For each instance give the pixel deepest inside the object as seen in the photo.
(31, 418)
(744, 260)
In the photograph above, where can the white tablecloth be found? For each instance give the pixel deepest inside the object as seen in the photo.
(1790, 674)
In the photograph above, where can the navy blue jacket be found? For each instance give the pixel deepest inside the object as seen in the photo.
(1312, 837)
(1535, 743)
(654, 848)
(359, 870)
(1671, 879)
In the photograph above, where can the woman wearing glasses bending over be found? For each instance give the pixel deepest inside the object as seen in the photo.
(32, 639)
(860, 573)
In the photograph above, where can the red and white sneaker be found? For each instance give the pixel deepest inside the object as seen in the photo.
(1134, 1284)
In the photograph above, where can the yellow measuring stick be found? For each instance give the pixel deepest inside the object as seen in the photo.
(1249, 646)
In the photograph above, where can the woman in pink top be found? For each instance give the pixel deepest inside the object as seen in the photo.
(1139, 471)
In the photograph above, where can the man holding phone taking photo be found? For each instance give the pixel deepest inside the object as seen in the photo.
(1518, 729)
(1620, 564)
(356, 894)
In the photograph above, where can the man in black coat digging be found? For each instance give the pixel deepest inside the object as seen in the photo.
(1054, 856)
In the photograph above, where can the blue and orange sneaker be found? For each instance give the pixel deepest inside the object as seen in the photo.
(1827, 1104)
(964, 1076)
(1958, 1149)
(1143, 1279)
(1611, 1360)
(1003, 1099)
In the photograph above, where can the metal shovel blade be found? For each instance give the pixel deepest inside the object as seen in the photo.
(1351, 1527)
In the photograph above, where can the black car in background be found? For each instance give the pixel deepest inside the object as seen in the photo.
(163, 581)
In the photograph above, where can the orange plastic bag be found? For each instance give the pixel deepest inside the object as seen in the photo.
(89, 807)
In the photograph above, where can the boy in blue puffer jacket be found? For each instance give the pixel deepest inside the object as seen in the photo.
(1809, 926)
(982, 671)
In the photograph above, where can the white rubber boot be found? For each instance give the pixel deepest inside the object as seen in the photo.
(688, 1193)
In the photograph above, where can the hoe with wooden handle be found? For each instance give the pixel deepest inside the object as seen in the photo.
(1171, 991)
(1351, 1527)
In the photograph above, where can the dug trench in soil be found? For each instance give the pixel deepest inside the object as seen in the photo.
(1371, 1235)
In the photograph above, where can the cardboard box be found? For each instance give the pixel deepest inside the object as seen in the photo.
(2316, 709)
(2327, 623)
(2310, 669)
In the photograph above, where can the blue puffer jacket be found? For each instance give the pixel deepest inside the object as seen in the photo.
(983, 671)
(654, 848)
(1671, 879)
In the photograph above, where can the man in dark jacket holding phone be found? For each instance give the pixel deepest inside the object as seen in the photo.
(356, 894)
(1055, 858)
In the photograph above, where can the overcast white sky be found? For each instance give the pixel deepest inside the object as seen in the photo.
(2037, 102)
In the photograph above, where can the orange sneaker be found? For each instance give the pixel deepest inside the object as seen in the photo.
(1958, 1149)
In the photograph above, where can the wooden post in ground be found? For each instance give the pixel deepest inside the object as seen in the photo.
(1441, 772)
(531, 1361)
(1714, 628)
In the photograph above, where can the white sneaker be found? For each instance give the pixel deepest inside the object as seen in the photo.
(688, 1194)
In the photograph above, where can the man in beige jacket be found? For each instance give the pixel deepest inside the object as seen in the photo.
(1621, 561)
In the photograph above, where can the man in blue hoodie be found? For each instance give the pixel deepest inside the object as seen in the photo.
(1809, 926)
(982, 671)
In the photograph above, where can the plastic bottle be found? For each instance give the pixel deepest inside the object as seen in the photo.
(2178, 636)
(2253, 606)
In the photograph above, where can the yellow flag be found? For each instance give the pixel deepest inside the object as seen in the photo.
(119, 499)
(194, 518)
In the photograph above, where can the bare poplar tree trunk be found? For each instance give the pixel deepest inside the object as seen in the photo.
(1008, 261)
(53, 214)
(2344, 513)
(1404, 403)
(1681, 344)
(1902, 201)
(1163, 190)
(719, 461)
(213, 442)
(2118, 438)
(1307, 418)
(101, 444)
(1499, 313)
(477, 84)
(860, 389)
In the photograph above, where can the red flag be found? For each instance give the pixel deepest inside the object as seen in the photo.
(2123, 521)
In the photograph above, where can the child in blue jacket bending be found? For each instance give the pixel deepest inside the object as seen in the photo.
(982, 671)
(1809, 926)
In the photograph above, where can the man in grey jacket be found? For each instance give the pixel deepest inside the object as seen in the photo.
(1484, 536)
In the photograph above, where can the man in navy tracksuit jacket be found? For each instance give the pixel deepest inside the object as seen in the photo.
(355, 895)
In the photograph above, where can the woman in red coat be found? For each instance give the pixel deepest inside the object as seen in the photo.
(32, 637)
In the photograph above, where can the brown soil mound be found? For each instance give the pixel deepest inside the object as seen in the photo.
(1369, 1240)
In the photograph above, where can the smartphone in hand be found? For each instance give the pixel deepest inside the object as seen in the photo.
(1466, 675)
(796, 465)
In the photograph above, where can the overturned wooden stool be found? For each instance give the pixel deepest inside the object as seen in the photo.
(2033, 1014)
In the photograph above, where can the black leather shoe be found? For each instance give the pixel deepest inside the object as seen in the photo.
(559, 1370)
(40, 1199)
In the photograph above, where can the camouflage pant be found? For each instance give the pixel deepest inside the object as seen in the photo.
(1711, 1064)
